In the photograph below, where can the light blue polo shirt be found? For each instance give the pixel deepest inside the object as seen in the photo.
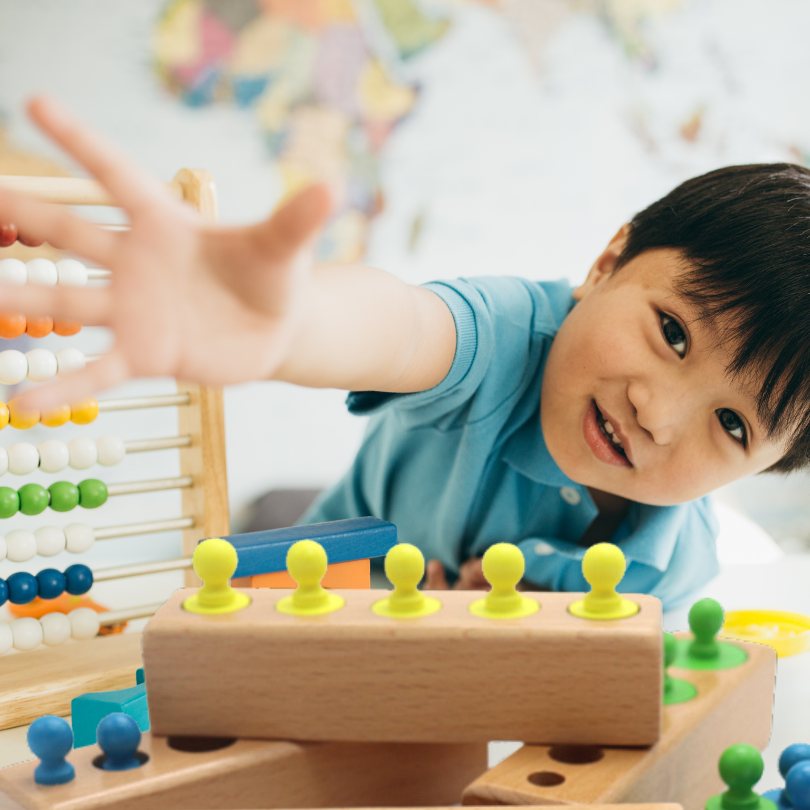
(464, 465)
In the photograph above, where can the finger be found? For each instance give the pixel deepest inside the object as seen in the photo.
(112, 369)
(435, 579)
(471, 576)
(40, 222)
(294, 225)
(127, 184)
(92, 307)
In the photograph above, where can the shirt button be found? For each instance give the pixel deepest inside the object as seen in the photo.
(570, 495)
(543, 549)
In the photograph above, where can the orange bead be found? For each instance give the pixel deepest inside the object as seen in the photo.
(22, 420)
(83, 413)
(39, 327)
(57, 417)
(66, 328)
(3, 415)
(11, 326)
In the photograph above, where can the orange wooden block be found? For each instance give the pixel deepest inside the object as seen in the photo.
(732, 706)
(208, 774)
(351, 574)
(448, 677)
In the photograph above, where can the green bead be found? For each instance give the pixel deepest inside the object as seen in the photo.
(64, 496)
(9, 502)
(34, 499)
(92, 493)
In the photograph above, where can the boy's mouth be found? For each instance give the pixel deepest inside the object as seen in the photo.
(608, 432)
(602, 438)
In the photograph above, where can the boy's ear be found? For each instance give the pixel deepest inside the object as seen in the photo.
(604, 266)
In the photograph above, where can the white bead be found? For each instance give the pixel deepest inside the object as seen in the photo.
(50, 541)
(56, 629)
(23, 458)
(6, 638)
(53, 456)
(21, 545)
(41, 365)
(3, 548)
(111, 450)
(42, 271)
(83, 453)
(3, 461)
(27, 633)
(79, 537)
(69, 360)
(84, 623)
(71, 272)
(12, 271)
(13, 367)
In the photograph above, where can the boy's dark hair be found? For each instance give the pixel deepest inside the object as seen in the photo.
(744, 232)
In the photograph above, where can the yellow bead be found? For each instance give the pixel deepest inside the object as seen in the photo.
(405, 567)
(306, 562)
(85, 412)
(503, 567)
(3, 415)
(22, 420)
(57, 417)
(603, 567)
(214, 563)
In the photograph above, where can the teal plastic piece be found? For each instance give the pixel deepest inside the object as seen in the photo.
(140, 678)
(90, 709)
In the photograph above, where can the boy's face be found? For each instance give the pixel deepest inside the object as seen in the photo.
(631, 353)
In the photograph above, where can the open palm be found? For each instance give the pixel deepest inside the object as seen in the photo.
(187, 299)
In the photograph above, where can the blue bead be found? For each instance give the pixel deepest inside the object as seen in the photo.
(3, 592)
(52, 583)
(79, 579)
(797, 785)
(22, 588)
(793, 755)
(118, 736)
(51, 739)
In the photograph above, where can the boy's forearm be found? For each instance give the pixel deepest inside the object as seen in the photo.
(363, 329)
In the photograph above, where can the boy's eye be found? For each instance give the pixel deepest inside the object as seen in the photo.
(733, 425)
(673, 334)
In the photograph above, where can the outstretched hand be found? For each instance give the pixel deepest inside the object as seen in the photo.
(470, 576)
(186, 299)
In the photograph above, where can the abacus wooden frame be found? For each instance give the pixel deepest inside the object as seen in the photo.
(44, 681)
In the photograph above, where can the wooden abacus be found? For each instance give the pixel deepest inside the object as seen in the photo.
(40, 681)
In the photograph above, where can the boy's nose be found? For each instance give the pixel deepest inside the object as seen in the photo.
(657, 410)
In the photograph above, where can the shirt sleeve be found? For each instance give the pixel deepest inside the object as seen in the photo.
(494, 317)
(670, 555)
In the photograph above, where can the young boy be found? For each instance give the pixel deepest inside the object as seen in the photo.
(502, 409)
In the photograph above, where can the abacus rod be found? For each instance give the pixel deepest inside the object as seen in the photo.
(123, 571)
(129, 614)
(134, 487)
(97, 274)
(133, 403)
(68, 190)
(150, 527)
(143, 445)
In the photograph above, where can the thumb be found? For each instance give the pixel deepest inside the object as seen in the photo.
(295, 224)
(435, 579)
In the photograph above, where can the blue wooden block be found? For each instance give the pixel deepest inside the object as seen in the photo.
(344, 540)
(89, 710)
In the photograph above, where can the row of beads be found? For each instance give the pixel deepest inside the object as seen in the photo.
(82, 413)
(22, 587)
(52, 630)
(43, 271)
(20, 545)
(52, 455)
(9, 235)
(12, 326)
(33, 499)
(38, 365)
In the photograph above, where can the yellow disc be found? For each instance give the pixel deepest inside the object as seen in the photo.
(85, 412)
(405, 567)
(306, 562)
(57, 417)
(3, 415)
(503, 567)
(22, 420)
(603, 567)
(787, 633)
(214, 563)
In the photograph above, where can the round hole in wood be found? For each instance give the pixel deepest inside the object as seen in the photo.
(546, 778)
(199, 745)
(576, 754)
(99, 761)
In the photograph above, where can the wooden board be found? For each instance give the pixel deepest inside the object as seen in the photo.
(256, 774)
(448, 677)
(44, 681)
(732, 706)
